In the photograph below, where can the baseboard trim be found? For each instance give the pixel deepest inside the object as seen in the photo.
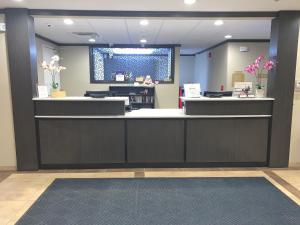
(294, 165)
(8, 168)
(153, 165)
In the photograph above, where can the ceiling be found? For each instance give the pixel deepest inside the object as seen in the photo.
(157, 5)
(193, 34)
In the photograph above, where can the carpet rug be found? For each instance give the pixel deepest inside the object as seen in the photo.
(163, 201)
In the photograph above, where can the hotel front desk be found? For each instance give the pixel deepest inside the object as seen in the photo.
(98, 133)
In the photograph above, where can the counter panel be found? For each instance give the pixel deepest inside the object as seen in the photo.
(57, 108)
(227, 140)
(155, 140)
(75, 142)
(228, 107)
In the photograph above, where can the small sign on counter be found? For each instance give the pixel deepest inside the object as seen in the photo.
(192, 90)
(43, 91)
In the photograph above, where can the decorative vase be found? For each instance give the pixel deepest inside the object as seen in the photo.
(260, 93)
(58, 94)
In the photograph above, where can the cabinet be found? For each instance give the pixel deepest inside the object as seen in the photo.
(81, 141)
(227, 140)
(155, 140)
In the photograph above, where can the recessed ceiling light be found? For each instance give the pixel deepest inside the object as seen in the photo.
(18, 0)
(92, 40)
(68, 21)
(144, 22)
(189, 2)
(228, 36)
(219, 22)
(143, 40)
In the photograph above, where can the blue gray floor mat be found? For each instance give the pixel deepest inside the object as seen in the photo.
(186, 201)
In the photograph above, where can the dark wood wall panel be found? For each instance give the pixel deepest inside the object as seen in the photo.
(155, 141)
(283, 49)
(227, 140)
(20, 37)
(75, 142)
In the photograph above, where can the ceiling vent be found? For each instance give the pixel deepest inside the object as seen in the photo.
(86, 34)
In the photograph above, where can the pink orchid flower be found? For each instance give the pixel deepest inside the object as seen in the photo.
(269, 65)
(259, 59)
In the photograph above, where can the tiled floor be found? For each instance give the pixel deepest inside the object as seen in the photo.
(18, 191)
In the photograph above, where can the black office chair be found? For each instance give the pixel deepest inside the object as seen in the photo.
(99, 94)
(216, 94)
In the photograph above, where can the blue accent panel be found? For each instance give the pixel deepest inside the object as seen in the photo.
(106, 64)
(136, 65)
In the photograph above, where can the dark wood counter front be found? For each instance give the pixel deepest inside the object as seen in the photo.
(155, 138)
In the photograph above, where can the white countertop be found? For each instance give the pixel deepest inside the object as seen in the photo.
(157, 114)
(202, 98)
(82, 99)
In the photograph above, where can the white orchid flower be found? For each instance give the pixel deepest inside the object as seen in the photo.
(44, 65)
(55, 58)
(60, 68)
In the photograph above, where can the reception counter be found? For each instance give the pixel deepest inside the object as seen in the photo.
(207, 135)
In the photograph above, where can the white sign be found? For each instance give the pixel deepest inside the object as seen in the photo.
(2, 27)
(120, 77)
(43, 91)
(192, 90)
(239, 86)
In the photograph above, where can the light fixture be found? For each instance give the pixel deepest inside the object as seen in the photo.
(228, 36)
(92, 40)
(143, 40)
(18, 0)
(133, 51)
(219, 22)
(144, 22)
(68, 21)
(189, 2)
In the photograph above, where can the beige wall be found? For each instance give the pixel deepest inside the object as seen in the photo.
(237, 60)
(7, 141)
(218, 64)
(211, 72)
(76, 79)
(187, 70)
(295, 136)
(225, 60)
(39, 45)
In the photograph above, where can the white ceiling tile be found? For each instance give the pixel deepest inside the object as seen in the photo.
(174, 31)
(190, 33)
(110, 30)
(136, 31)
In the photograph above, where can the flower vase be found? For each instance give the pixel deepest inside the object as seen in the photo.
(56, 93)
(260, 93)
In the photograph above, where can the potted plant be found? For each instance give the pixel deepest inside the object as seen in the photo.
(260, 68)
(54, 68)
